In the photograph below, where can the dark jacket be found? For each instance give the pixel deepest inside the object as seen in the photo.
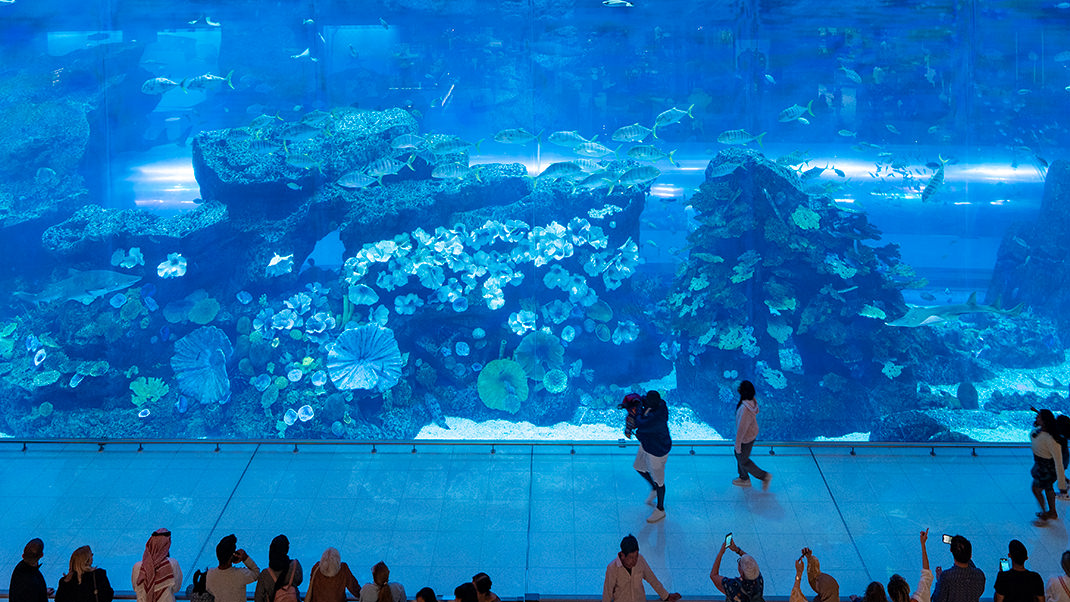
(652, 430)
(94, 587)
(27, 584)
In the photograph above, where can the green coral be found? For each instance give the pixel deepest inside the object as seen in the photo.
(839, 267)
(503, 385)
(891, 369)
(805, 218)
(555, 381)
(870, 311)
(540, 351)
(94, 368)
(204, 311)
(147, 390)
(46, 378)
(779, 330)
(744, 270)
(774, 377)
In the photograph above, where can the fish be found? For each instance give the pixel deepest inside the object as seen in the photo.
(452, 145)
(354, 180)
(739, 137)
(302, 54)
(1054, 386)
(515, 136)
(264, 147)
(293, 186)
(597, 180)
(803, 121)
(637, 175)
(632, 133)
(159, 85)
(670, 117)
(202, 82)
(592, 149)
(317, 119)
(568, 139)
(847, 133)
(934, 183)
(434, 411)
(617, 3)
(300, 132)
(795, 111)
(651, 153)
(383, 23)
(450, 171)
(851, 74)
(562, 169)
(923, 316)
(770, 79)
(406, 142)
(209, 21)
(891, 128)
(387, 166)
(82, 286)
(301, 161)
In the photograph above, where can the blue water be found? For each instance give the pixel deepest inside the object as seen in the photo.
(200, 203)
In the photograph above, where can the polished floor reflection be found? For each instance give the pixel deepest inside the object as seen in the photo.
(537, 519)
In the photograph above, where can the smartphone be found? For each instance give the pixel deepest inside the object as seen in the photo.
(947, 538)
(1004, 564)
(728, 540)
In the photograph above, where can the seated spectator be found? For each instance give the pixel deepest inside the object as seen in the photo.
(157, 576)
(330, 578)
(625, 576)
(899, 590)
(84, 582)
(963, 582)
(227, 583)
(1018, 584)
(1058, 589)
(382, 589)
(483, 583)
(27, 582)
(426, 595)
(826, 588)
(465, 592)
(748, 587)
(281, 570)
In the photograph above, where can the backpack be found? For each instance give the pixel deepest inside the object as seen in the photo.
(198, 590)
(288, 592)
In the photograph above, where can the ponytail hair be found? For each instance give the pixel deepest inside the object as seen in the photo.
(746, 391)
(381, 578)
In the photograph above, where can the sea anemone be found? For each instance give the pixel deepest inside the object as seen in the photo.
(173, 267)
(538, 352)
(555, 381)
(366, 357)
(522, 321)
(200, 365)
(503, 385)
(300, 303)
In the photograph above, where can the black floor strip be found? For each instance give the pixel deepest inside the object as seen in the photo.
(223, 511)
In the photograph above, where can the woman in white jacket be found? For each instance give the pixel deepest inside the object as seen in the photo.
(746, 433)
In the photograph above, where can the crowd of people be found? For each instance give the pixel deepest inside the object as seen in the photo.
(157, 577)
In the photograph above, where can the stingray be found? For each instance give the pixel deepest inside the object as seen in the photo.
(921, 316)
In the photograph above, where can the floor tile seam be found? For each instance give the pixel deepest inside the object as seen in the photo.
(839, 511)
(223, 510)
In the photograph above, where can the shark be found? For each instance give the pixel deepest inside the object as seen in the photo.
(923, 316)
(84, 287)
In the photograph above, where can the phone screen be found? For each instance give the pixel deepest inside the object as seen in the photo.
(1004, 564)
(947, 538)
(728, 539)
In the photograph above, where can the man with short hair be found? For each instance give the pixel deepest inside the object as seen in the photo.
(963, 582)
(625, 575)
(27, 582)
(1019, 584)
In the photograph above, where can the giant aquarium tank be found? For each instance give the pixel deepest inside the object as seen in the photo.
(421, 219)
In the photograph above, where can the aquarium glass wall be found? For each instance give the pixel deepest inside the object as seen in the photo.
(483, 220)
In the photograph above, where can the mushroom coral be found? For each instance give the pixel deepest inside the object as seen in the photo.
(503, 385)
(555, 381)
(200, 365)
(366, 357)
(538, 352)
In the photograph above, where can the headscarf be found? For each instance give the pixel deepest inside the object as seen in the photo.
(826, 588)
(279, 554)
(156, 573)
(330, 562)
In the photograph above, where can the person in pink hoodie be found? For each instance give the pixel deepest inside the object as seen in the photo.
(746, 433)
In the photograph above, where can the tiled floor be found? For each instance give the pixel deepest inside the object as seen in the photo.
(537, 519)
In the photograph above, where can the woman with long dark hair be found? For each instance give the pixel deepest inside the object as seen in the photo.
(746, 433)
(1047, 464)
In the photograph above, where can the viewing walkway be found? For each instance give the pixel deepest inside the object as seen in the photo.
(537, 518)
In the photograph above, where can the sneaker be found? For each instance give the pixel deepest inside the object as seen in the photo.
(655, 516)
(650, 499)
(741, 482)
(766, 480)
(1063, 497)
